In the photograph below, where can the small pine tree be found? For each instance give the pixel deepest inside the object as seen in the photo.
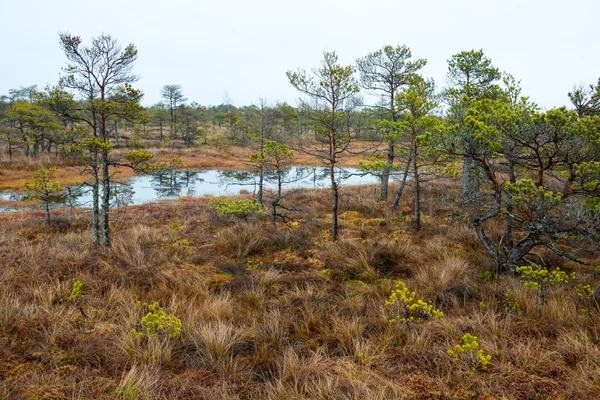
(44, 188)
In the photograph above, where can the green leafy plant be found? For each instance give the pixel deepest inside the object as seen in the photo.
(253, 265)
(486, 275)
(470, 353)
(359, 358)
(412, 308)
(585, 296)
(75, 291)
(241, 208)
(182, 246)
(541, 279)
(156, 322)
(511, 306)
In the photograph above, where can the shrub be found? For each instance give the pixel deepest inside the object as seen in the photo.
(253, 265)
(469, 353)
(240, 208)
(511, 306)
(156, 322)
(585, 295)
(413, 309)
(75, 291)
(542, 280)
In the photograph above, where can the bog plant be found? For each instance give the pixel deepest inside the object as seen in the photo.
(75, 291)
(253, 265)
(241, 208)
(541, 279)
(585, 296)
(511, 306)
(157, 323)
(470, 353)
(412, 308)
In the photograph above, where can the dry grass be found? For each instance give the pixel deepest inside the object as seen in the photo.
(308, 321)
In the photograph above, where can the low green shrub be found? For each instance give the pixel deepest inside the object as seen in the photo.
(412, 308)
(241, 208)
(156, 322)
(541, 279)
(469, 353)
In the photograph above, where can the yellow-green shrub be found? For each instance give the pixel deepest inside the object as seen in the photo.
(240, 208)
(156, 322)
(542, 280)
(412, 308)
(75, 291)
(470, 353)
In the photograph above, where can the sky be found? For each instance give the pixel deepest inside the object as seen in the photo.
(240, 50)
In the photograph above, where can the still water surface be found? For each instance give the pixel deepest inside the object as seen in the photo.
(198, 183)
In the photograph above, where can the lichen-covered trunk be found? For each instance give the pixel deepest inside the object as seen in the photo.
(95, 198)
(105, 199)
(515, 256)
(479, 220)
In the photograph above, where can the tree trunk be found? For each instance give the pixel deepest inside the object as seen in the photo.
(334, 206)
(402, 186)
(417, 197)
(275, 201)
(95, 198)
(261, 176)
(70, 199)
(47, 201)
(519, 251)
(385, 177)
(467, 187)
(274, 212)
(597, 294)
(508, 223)
(483, 237)
(105, 199)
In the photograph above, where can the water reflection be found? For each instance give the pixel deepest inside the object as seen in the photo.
(174, 184)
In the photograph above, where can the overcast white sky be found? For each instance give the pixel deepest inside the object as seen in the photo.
(245, 47)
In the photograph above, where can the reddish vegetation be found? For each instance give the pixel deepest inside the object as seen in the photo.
(308, 320)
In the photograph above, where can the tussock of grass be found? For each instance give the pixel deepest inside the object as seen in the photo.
(446, 279)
